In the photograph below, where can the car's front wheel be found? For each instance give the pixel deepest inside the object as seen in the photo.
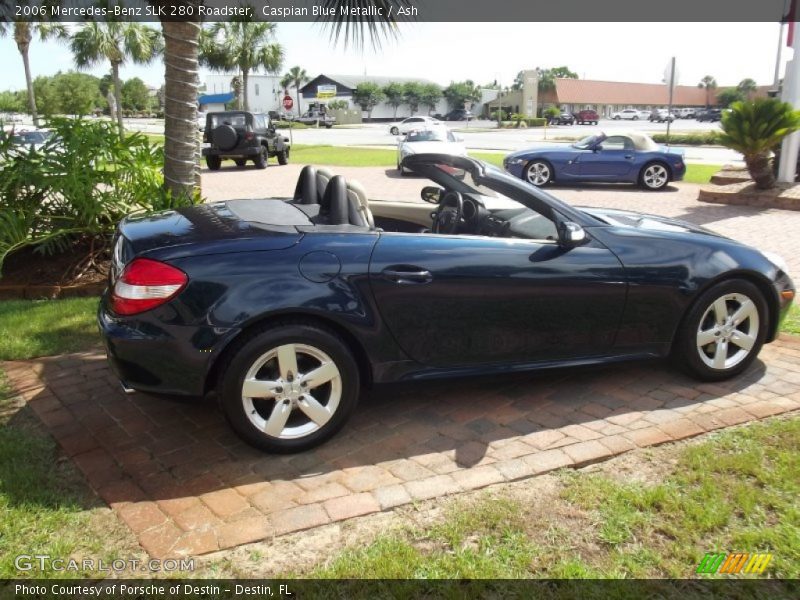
(289, 388)
(723, 332)
(394, 131)
(538, 172)
(283, 157)
(654, 176)
(213, 163)
(617, 117)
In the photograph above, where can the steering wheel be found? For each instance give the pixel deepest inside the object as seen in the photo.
(448, 216)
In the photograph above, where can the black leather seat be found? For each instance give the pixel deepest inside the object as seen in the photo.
(306, 191)
(335, 205)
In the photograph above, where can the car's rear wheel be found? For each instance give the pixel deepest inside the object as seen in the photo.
(213, 163)
(290, 387)
(617, 118)
(538, 172)
(261, 158)
(283, 157)
(394, 131)
(654, 176)
(723, 332)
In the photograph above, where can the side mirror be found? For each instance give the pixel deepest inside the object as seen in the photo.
(431, 194)
(571, 234)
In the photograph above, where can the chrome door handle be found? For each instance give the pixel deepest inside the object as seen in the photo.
(407, 276)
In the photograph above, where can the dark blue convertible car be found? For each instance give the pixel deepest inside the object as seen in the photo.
(628, 158)
(288, 307)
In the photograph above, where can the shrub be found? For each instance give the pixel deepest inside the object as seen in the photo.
(289, 125)
(503, 115)
(536, 121)
(77, 186)
(706, 138)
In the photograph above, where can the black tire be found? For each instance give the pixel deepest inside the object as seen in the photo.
(240, 162)
(653, 183)
(685, 351)
(283, 157)
(545, 172)
(594, 122)
(617, 118)
(261, 158)
(635, 118)
(394, 131)
(213, 163)
(253, 348)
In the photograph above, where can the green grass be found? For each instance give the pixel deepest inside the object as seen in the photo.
(735, 492)
(43, 503)
(792, 322)
(700, 173)
(46, 327)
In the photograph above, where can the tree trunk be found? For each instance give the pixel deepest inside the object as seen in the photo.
(23, 50)
(181, 144)
(759, 169)
(245, 76)
(117, 95)
(297, 88)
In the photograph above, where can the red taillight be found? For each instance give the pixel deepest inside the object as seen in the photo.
(145, 284)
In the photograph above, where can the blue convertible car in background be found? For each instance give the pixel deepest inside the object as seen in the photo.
(287, 308)
(628, 158)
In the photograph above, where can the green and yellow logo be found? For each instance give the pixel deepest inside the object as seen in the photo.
(738, 562)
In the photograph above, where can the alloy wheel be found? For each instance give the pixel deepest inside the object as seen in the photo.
(728, 331)
(291, 391)
(538, 173)
(655, 176)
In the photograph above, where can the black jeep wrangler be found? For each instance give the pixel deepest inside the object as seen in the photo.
(242, 136)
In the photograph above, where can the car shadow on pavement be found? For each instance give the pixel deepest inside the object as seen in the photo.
(620, 187)
(135, 447)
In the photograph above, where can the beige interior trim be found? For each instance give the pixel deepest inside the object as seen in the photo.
(415, 212)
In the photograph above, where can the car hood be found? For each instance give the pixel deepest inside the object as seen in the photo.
(432, 147)
(646, 222)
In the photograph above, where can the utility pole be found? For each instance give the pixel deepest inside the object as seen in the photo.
(790, 93)
(776, 80)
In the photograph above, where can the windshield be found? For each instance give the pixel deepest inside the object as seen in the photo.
(30, 137)
(238, 121)
(587, 142)
(427, 135)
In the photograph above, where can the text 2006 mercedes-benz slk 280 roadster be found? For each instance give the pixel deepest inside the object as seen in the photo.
(287, 307)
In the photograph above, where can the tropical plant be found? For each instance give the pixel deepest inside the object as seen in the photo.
(395, 95)
(551, 112)
(728, 96)
(754, 129)
(459, 94)
(242, 45)
(295, 77)
(412, 95)
(430, 96)
(24, 32)
(368, 95)
(338, 105)
(708, 83)
(547, 77)
(117, 43)
(747, 87)
(356, 21)
(77, 187)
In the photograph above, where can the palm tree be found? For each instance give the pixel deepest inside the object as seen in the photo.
(23, 36)
(242, 45)
(181, 58)
(754, 129)
(747, 87)
(295, 77)
(117, 43)
(708, 83)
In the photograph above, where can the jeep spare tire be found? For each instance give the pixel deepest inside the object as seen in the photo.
(224, 137)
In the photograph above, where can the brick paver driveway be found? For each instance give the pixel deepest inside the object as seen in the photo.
(184, 484)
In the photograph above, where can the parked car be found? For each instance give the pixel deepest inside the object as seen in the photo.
(629, 158)
(318, 118)
(412, 123)
(435, 140)
(242, 136)
(458, 114)
(685, 113)
(661, 115)
(631, 114)
(711, 115)
(33, 139)
(288, 308)
(564, 118)
(587, 117)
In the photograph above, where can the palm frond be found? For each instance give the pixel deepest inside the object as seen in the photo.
(356, 21)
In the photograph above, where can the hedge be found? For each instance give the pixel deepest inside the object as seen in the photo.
(706, 138)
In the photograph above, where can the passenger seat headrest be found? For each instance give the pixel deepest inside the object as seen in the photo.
(306, 190)
(334, 202)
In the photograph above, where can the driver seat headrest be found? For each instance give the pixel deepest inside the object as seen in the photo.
(335, 204)
(306, 190)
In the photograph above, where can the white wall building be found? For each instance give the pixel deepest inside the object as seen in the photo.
(264, 92)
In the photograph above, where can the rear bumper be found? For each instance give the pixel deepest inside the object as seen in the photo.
(150, 354)
(246, 151)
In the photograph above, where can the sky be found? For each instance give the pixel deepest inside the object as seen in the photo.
(485, 52)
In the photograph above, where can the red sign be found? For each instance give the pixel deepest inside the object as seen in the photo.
(288, 103)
